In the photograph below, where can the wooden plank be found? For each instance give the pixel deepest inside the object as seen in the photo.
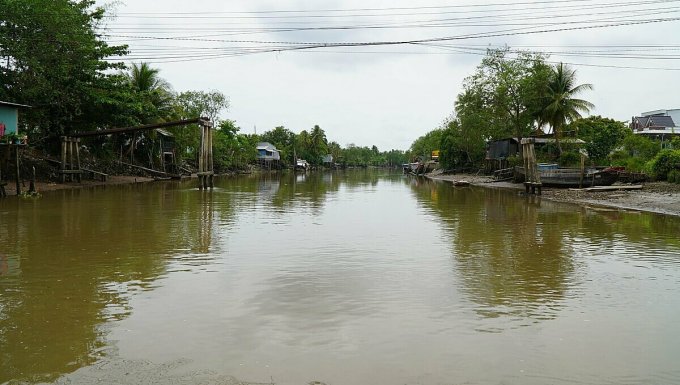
(146, 169)
(140, 128)
(610, 188)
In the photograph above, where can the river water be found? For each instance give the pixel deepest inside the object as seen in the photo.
(357, 277)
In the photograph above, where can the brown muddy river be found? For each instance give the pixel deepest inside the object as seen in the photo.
(343, 278)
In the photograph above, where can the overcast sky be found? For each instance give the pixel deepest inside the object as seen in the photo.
(389, 95)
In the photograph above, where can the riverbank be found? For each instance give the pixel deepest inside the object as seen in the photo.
(655, 197)
(43, 187)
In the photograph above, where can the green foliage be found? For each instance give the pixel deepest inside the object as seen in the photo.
(602, 136)
(232, 150)
(569, 159)
(201, 104)
(424, 145)
(560, 105)
(641, 146)
(355, 156)
(673, 176)
(504, 96)
(52, 58)
(675, 143)
(284, 140)
(152, 94)
(664, 162)
(461, 146)
(631, 163)
(195, 104)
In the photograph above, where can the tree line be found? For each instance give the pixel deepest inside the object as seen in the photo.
(53, 58)
(524, 95)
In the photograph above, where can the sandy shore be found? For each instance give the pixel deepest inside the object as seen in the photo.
(656, 197)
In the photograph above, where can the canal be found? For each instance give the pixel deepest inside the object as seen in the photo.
(357, 277)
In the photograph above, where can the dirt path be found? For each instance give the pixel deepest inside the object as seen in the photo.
(656, 197)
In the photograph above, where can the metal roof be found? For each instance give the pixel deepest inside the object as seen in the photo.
(655, 121)
(8, 104)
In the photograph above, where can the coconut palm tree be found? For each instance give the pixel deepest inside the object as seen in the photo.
(561, 104)
(155, 93)
(144, 78)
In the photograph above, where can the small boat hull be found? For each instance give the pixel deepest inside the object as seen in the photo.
(572, 177)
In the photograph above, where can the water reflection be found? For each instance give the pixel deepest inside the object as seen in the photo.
(71, 261)
(512, 258)
(343, 276)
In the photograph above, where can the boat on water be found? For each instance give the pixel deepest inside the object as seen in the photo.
(411, 168)
(551, 175)
(301, 165)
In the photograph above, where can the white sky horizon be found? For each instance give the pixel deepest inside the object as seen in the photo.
(388, 96)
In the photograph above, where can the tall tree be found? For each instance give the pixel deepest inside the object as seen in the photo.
(318, 144)
(153, 93)
(194, 104)
(145, 78)
(561, 104)
(511, 90)
(52, 58)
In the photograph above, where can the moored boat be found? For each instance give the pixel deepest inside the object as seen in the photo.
(572, 177)
(301, 165)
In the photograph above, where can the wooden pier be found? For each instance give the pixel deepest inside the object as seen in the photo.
(70, 155)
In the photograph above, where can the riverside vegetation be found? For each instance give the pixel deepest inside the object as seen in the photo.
(53, 59)
(520, 96)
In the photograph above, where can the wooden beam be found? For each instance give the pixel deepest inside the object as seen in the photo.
(146, 127)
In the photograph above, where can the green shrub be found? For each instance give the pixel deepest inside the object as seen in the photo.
(640, 146)
(664, 162)
(570, 159)
(673, 176)
(515, 160)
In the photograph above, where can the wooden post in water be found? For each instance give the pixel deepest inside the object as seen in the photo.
(31, 187)
(70, 159)
(583, 171)
(17, 172)
(205, 156)
(532, 182)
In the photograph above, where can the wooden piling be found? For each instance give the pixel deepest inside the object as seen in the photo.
(70, 159)
(17, 173)
(205, 156)
(532, 182)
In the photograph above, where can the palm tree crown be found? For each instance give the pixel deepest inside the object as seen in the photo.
(561, 105)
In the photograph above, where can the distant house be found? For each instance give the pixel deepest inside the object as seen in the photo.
(328, 159)
(267, 152)
(657, 124)
(268, 155)
(498, 151)
(9, 117)
(505, 148)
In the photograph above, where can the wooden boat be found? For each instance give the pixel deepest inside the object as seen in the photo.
(301, 165)
(412, 168)
(572, 177)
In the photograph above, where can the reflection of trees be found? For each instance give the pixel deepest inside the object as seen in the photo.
(510, 255)
(515, 256)
(81, 259)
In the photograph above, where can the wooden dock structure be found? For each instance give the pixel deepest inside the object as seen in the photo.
(532, 182)
(70, 155)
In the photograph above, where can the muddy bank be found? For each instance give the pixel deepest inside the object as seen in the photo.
(655, 197)
(43, 187)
